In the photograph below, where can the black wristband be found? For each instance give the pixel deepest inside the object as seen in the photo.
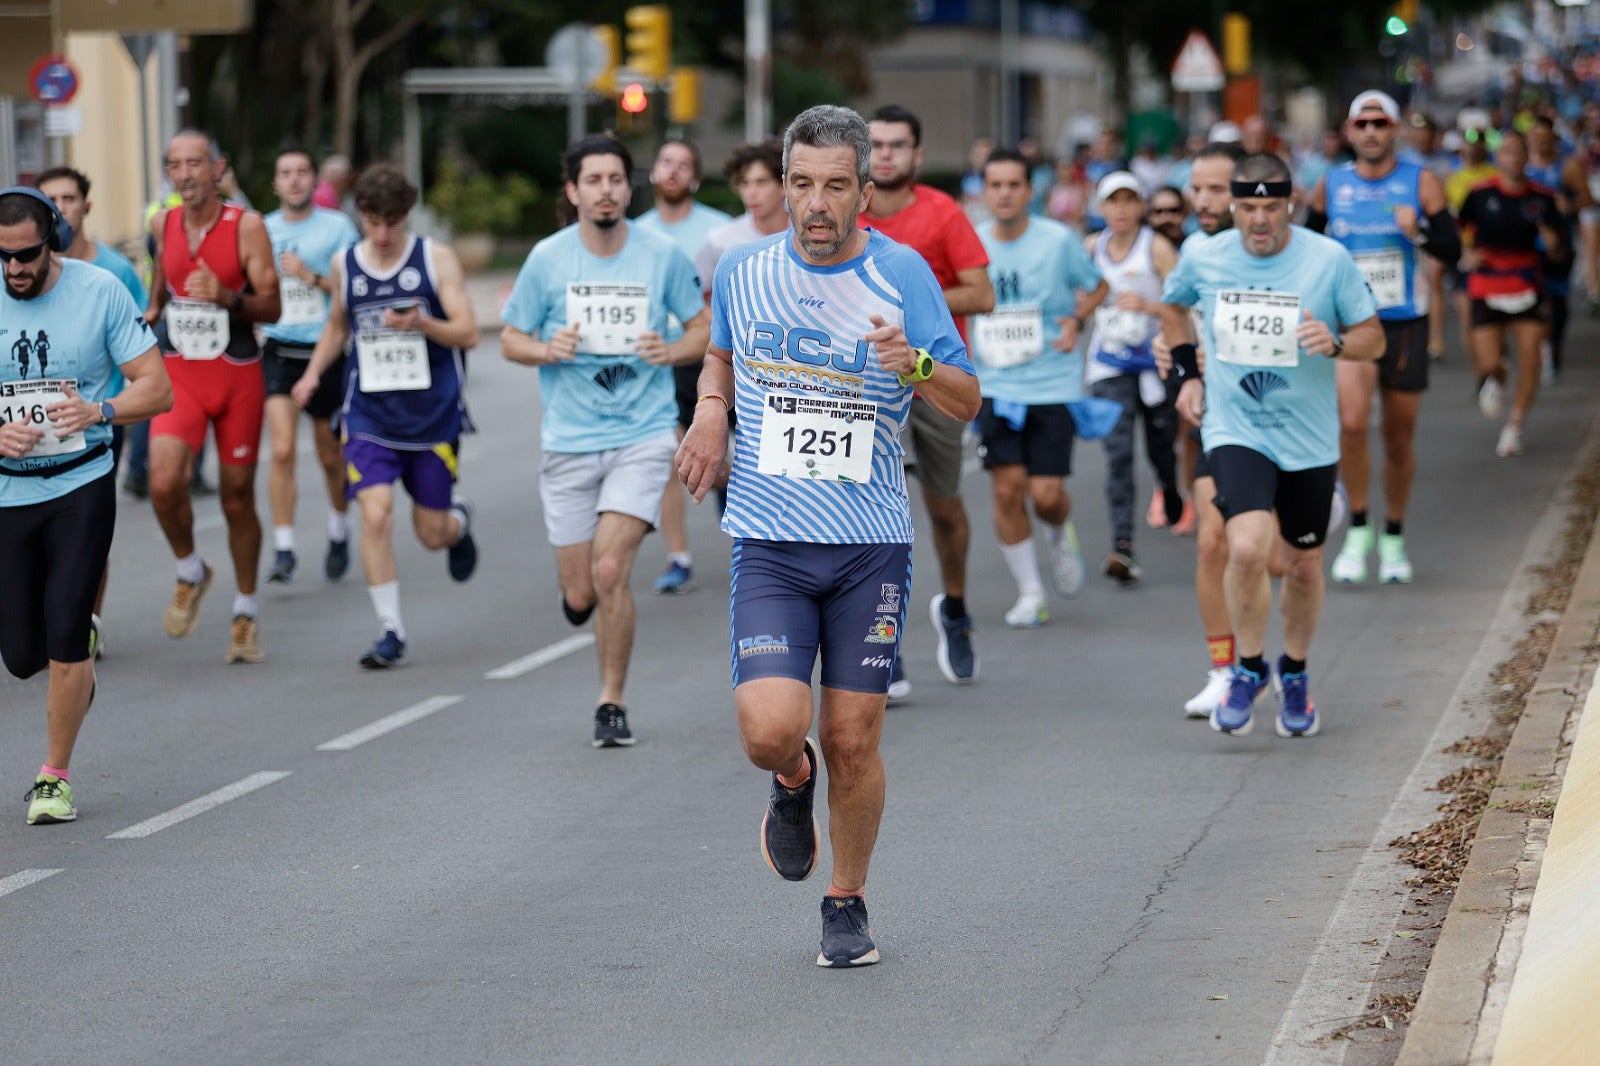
(1186, 361)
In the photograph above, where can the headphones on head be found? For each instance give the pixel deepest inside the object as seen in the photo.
(59, 239)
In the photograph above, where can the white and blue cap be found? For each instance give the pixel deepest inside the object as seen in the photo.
(1114, 183)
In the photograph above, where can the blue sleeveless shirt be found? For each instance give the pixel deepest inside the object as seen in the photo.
(1361, 217)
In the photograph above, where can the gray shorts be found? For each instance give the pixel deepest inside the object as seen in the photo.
(934, 454)
(576, 487)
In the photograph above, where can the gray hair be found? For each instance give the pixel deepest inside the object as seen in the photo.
(831, 126)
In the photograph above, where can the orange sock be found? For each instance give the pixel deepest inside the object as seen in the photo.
(1221, 649)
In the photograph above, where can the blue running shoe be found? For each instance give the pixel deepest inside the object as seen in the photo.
(789, 829)
(1297, 716)
(388, 652)
(674, 579)
(283, 567)
(464, 552)
(337, 561)
(958, 660)
(846, 936)
(1233, 715)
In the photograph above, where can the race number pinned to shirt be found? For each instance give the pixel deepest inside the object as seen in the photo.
(817, 438)
(302, 304)
(1257, 328)
(1121, 328)
(1385, 274)
(610, 315)
(1010, 336)
(393, 360)
(26, 401)
(198, 329)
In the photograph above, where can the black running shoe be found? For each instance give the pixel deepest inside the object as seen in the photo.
(572, 614)
(846, 936)
(789, 829)
(283, 568)
(337, 561)
(611, 727)
(464, 552)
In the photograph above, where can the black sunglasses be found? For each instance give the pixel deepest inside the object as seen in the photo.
(1372, 123)
(24, 255)
(1166, 210)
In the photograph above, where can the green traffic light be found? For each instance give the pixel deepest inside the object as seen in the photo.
(1396, 26)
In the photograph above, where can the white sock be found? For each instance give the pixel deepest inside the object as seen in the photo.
(466, 523)
(192, 569)
(283, 538)
(1024, 566)
(386, 603)
(338, 525)
(1055, 533)
(681, 558)
(245, 605)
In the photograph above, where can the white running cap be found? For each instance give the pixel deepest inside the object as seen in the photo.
(1114, 182)
(1380, 100)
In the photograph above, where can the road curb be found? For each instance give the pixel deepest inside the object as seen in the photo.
(1475, 963)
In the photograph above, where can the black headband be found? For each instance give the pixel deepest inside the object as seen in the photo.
(1273, 189)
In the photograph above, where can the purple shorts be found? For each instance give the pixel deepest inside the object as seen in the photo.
(429, 474)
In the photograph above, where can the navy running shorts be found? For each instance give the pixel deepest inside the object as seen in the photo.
(792, 600)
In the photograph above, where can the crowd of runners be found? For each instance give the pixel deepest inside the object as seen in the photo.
(1244, 309)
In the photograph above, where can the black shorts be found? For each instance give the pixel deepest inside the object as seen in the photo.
(1202, 465)
(284, 364)
(55, 553)
(1484, 315)
(686, 386)
(1043, 444)
(1404, 366)
(1249, 481)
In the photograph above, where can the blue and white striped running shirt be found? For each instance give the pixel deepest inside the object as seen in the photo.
(795, 332)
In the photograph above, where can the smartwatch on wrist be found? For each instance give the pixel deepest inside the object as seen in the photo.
(1338, 346)
(921, 370)
(107, 412)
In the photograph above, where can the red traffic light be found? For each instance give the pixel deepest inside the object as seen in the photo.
(633, 99)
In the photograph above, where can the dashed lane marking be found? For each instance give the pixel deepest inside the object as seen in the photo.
(542, 657)
(199, 806)
(389, 723)
(17, 881)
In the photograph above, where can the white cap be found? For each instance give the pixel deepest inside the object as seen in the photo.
(1115, 181)
(1374, 98)
(1225, 132)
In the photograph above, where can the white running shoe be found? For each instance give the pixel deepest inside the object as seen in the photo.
(1216, 690)
(1510, 442)
(1491, 399)
(1029, 612)
(1067, 572)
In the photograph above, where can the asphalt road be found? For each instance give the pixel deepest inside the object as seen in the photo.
(1068, 870)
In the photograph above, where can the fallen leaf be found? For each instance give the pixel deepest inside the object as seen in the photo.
(1405, 934)
(1218, 996)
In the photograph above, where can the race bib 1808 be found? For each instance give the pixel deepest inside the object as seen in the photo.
(26, 401)
(1254, 328)
(198, 329)
(393, 360)
(610, 316)
(817, 438)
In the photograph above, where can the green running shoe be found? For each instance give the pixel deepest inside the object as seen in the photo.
(51, 801)
(1350, 565)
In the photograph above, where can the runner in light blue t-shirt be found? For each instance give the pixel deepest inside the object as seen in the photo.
(69, 326)
(676, 178)
(589, 309)
(1279, 304)
(1045, 292)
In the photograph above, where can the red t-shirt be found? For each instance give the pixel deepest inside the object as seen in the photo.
(937, 228)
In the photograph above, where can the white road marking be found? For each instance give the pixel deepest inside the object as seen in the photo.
(200, 806)
(389, 723)
(1338, 978)
(530, 663)
(11, 884)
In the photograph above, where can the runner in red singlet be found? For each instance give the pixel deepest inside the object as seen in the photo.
(213, 279)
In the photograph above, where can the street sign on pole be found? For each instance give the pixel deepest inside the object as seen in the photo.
(1198, 68)
(53, 80)
(577, 57)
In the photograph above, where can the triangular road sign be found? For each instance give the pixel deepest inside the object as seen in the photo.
(1198, 68)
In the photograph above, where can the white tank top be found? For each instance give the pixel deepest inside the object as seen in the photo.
(1119, 331)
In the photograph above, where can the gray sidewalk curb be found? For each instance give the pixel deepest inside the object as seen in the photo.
(1457, 1017)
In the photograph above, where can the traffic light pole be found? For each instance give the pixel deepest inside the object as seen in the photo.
(757, 66)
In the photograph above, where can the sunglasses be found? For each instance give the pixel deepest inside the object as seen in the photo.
(1372, 123)
(24, 255)
(1166, 210)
